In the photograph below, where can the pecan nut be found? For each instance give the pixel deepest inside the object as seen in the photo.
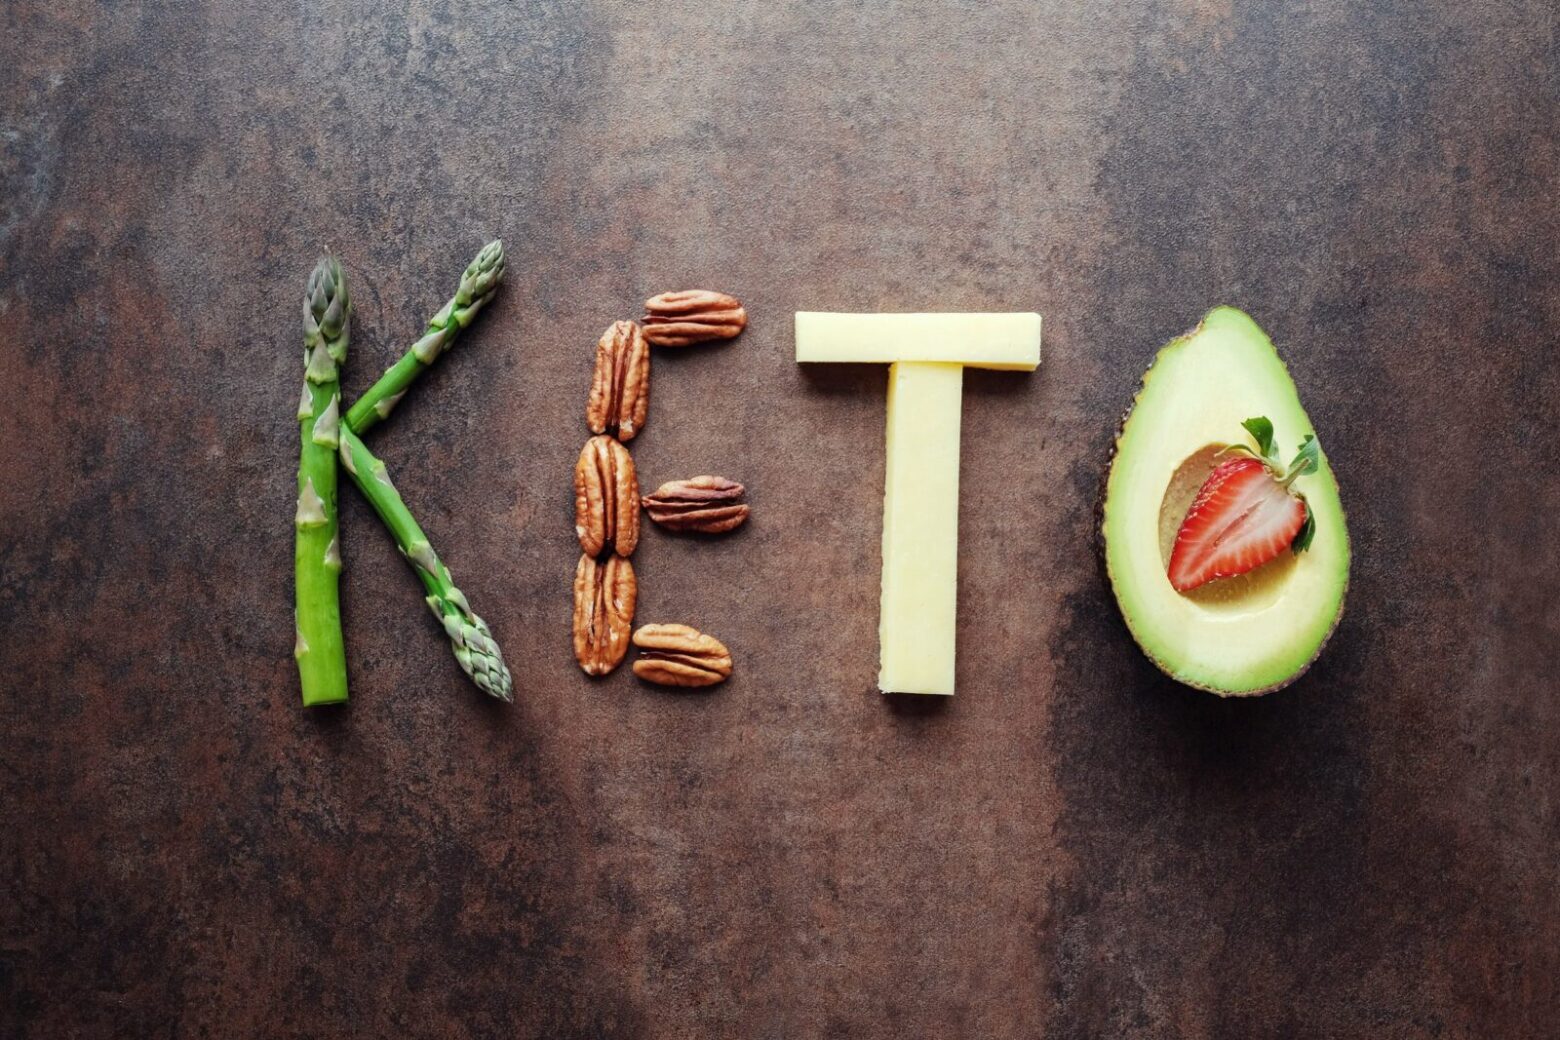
(676, 319)
(606, 498)
(604, 596)
(709, 505)
(620, 387)
(676, 655)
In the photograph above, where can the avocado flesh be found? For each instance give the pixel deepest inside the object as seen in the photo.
(1234, 636)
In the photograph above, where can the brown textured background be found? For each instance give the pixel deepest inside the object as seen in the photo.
(1073, 847)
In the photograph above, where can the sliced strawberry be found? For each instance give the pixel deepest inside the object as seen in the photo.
(1241, 518)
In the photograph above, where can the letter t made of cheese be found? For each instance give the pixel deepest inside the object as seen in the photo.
(926, 355)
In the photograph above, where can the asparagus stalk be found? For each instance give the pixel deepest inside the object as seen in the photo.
(469, 635)
(320, 651)
(477, 285)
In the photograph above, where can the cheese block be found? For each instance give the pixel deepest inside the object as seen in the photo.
(1007, 341)
(921, 529)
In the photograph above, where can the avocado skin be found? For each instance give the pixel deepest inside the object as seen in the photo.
(1104, 562)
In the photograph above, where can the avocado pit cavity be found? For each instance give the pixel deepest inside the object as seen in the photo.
(1251, 591)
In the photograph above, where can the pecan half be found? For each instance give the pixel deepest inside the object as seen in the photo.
(620, 388)
(676, 319)
(604, 598)
(710, 505)
(606, 498)
(676, 655)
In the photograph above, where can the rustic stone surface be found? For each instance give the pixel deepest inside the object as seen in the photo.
(1073, 846)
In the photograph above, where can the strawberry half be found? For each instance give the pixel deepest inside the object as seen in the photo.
(1244, 515)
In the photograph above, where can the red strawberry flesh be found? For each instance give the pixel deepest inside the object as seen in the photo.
(1240, 519)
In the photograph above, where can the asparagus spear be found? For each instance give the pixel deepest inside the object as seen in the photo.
(470, 638)
(321, 654)
(477, 285)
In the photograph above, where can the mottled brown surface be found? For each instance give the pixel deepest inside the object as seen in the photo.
(1074, 847)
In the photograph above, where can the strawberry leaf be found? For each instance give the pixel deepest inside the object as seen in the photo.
(1261, 429)
(1307, 460)
(1307, 530)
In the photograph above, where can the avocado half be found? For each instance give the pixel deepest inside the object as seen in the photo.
(1238, 636)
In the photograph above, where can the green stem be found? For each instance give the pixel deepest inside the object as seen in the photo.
(319, 647)
(470, 638)
(478, 283)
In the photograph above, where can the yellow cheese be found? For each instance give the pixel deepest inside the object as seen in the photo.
(927, 354)
(921, 529)
(1010, 341)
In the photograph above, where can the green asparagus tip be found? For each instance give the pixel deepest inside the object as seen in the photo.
(325, 302)
(481, 276)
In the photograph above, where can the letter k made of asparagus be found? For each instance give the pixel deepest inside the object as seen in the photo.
(328, 431)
